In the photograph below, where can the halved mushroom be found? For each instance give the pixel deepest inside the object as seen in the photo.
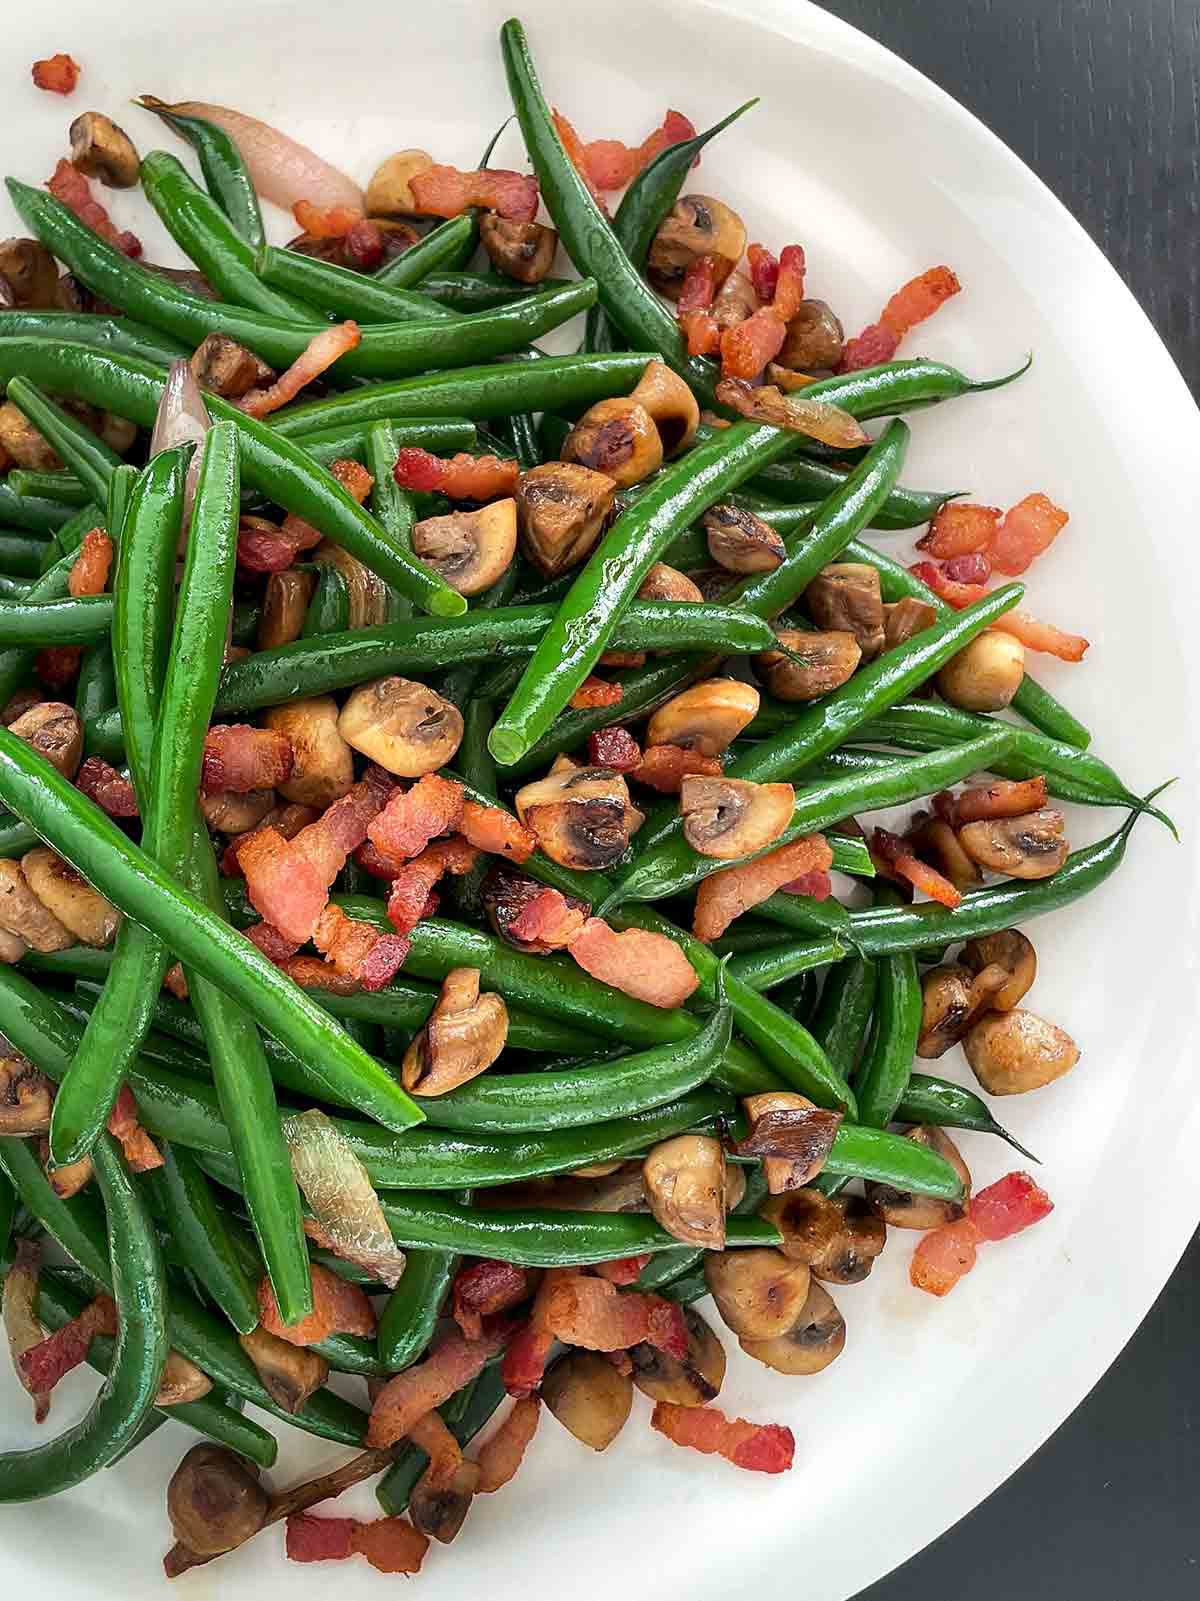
(289, 1373)
(936, 841)
(706, 718)
(1010, 950)
(1011, 1052)
(692, 1380)
(465, 1034)
(388, 193)
(21, 442)
(470, 549)
(740, 542)
(730, 817)
(903, 1209)
(30, 272)
(285, 606)
(685, 1185)
(55, 732)
(582, 816)
(616, 437)
(100, 149)
(181, 1381)
(671, 404)
(846, 596)
(231, 813)
(904, 619)
(26, 1097)
(837, 1237)
(1019, 847)
(214, 1500)
(440, 1509)
(403, 726)
(668, 583)
(589, 1397)
(521, 250)
(984, 675)
(223, 367)
(814, 339)
(949, 1004)
(322, 761)
(62, 891)
(826, 661)
(368, 592)
(814, 1340)
(561, 510)
(22, 913)
(734, 301)
(697, 225)
(758, 1292)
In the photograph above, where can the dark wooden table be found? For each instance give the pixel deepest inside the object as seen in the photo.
(1102, 99)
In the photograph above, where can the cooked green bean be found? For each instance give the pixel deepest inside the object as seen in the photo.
(85, 453)
(413, 1308)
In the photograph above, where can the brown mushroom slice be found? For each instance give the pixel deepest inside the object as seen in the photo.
(671, 405)
(1015, 1051)
(707, 718)
(791, 1134)
(21, 442)
(285, 606)
(465, 1034)
(984, 675)
(817, 1338)
(1019, 847)
(582, 816)
(905, 619)
(99, 149)
(290, 1373)
(26, 1097)
(728, 818)
(405, 727)
(469, 549)
(816, 664)
(368, 592)
(22, 913)
(758, 1292)
(70, 898)
(55, 732)
(521, 250)
(590, 1397)
(734, 301)
(692, 1380)
(322, 761)
(214, 1500)
(739, 541)
(181, 1381)
(946, 1005)
(937, 842)
(618, 438)
(440, 1509)
(838, 1237)
(30, 272)
(230, 813)
(814, 339)
(668, 583)
(846, 596)
(223, 367)
(902, 1209)
(1010, 950)
(561, 511)
(697, 225)
(388, 193)
(684, 1179)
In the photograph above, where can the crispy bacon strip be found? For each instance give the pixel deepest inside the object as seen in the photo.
(312, 1539)
(68, 185)
(390, 1545)
(611, 163)
(817, 885)
(614, 748)
(1045, 637)
(725, 895)
(463, 477)
(626, 1270)
(104, 785)
(442, 191)
(57, 74)
(57, 665)
(358, 949)
(285, 820)
(323, 350)
(916, 300)
(973, 568)
(271, 942)
(140, 1150)
(311, 973)
(595, 692)
(501, 1456)
(411, 896)
(430, 1434)
(69, 1178)
(528, 1351)
(759, 1447)
(21, 1326)
(960, 528)
(748, 346)
(898, 854)
(1002, 798)
(492, 829)
(1029, 528)
(1011, 1204)
(485, 1288)
(577, 152)
(593, 1313)
(239, 757)
(547, 921)
(943, 1256)
(264, 547)
(90, 569)
(338, 1308)
(452, 1362)
(664, 767)
(411, 818)
(764, 272)
(41, 1366)
(648, 966)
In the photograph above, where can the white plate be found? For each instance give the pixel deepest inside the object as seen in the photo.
(878, 174)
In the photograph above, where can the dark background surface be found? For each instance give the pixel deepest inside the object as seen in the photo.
(1102, 99)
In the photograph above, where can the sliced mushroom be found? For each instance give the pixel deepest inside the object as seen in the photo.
(936, 841)
(582, 816)
(100, 149)
(231, 813)
(322, 761)
(440, 1510)
(846, 596)
(814, 1340)
(905, 619)
(616, 437)
(21, 442)
(786, 1173)
(223, 367)
(1010, 950)
(30, 272)
(55, 732)
(290, 1373)
(368, 592)
(902, 1209)
(214, 1500)
(814, 339)
(671, 404)
(1019, 847)
(465, 1034)
(946, 1007)
(26, 1096)
(470, 549)
(984, 675)
(285, 606)
(837, 1237)
(406, 728)
(734, 301)
(826, 661)
(62, 891)
(697, 225)
(740, 542)
(1011, 1052)
(388, 193)
(706, 718)
(730, 817)
(561, 511)
(22, 913)
(735, 1185)
(589, 1396)
(685, 1185)
(668, 583)
(758, 1292)
(521, 250)
(692, 1380)
(181, 1381)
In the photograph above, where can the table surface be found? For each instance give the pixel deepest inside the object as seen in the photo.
(1102, 99)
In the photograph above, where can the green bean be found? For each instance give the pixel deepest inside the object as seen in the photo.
(411, 1315)
(440, 247)
(342, 292)
(847, 1002)
(36, 515)
(201, 1230)
(8, 1212)
(439, 434)
(65, 541)
(800, 480)
(883, 1076)
(764, 970)
(221, 162)
(96, 686)
(465, 1414)
(947, 1105)
(329, 609)
(85, 453)
(32, 624)
(394, 508)
(14, 588)
(62, 486)
(120, 335)
(477, 291)
(21, 553)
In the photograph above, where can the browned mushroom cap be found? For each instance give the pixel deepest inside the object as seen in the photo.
(30, 272)
(814, 1340)
(1010, 950)
(506, 892)
(78, 907)
(231, 813)
(440, 1509)
(465, 1034)
(689, 1381)
(102, 150)
(181, 1381)
(26, 1097)
(697, 225)
(214, 1500)
(758, 1292)
(668, 583)
(904, 619)
(826, 661)
(734, 301)
(589, 1397)
(561, 510)
(685, 1185)
(520, 250)
(947, 1004)
(786, 1173)
(285, 606)
(20, 440)
(388, 193)
(984, 675)
(814, 339)
(368, 592)
(616, 437)
(289, 1373)
(904, 1210)
(470, 549)
(740, 542)
(55, 732)
(223, 367)
(731, 817)
(581, 815)
(838, 1237)
(936, 841)
(1020, 847)
(22, 913)
(403, 726)
(846, 596)
(706, 718)
(671, 404)
(322, 761)
(1011, 1052)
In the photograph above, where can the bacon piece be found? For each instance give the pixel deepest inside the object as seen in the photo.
(90, 569)
(1029, 528)
(338, 1308)
(369, 859)
(501, 1456)
(611, 163)
(358, 949)
(68, 1178)
(322, 351)
(484, 1288)
(334, 222)
(1035, 635)
(57, 74)
(492, 829)
(759, 1447)
(41, 1366)
(614, 748)
(411, 818)
(239, 757)
(1011, 1204)
(312, 1539)
(365, 246)
(789, 283)
(390, 1545)
(105, 786)
(577, 153)
(529, 1348)
(916, 300)
(898, 854)
(21, 1326)
(311, 973)
(140, 1150)
(650, 967)
(1002, 798)
(265, 548)
(271, 942)
(595, 692)
(442, 191)
(626, 1270)
(702, 278)
(702, 332)
(547, 921)
(974, 568)
(463, 477)
(452, 1362)
(69, 186)
(18, 703)
(748, 346)
(960, 528)
(725, 895)
(285, 820)
(174, 981)
(593, 1313)
(57, 665)
(664, 767)
(817, 885)
(764, 272)
(430, 1434)
(943, 1256)
(412, 888)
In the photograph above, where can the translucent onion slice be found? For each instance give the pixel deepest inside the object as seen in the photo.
(336, 1187)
